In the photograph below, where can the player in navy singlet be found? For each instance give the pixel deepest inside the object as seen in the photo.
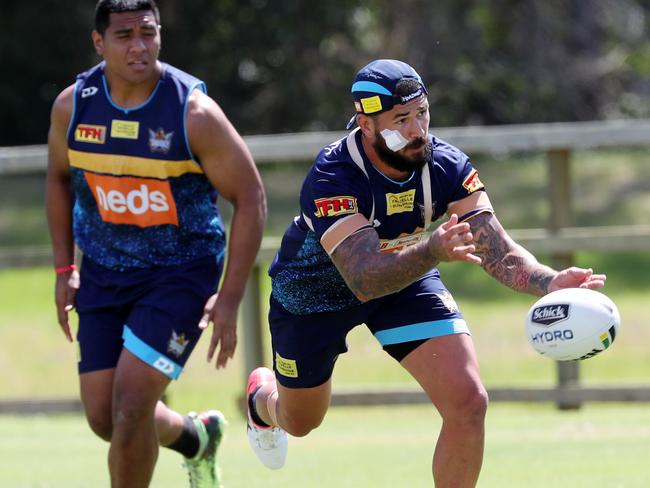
(359, 252)
(138, 155)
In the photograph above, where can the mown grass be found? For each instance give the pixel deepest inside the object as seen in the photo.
(43, 364)
(380, 447)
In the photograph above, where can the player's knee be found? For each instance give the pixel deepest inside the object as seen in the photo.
(468, 406)
(101, 425)
(129, 414)
(477, 405)
(300, 424)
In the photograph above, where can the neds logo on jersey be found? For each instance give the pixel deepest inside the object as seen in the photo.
(331, 207)
(550, 314)
(137, 201)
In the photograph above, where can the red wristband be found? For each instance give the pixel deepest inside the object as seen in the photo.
(65, 269)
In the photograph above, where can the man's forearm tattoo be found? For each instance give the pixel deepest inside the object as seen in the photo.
(371, 274)
(505, 260)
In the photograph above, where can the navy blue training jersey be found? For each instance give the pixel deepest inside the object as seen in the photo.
(141, 198)
(343, 182)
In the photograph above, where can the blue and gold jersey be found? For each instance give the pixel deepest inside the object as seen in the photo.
(343, 183)
(141, 198)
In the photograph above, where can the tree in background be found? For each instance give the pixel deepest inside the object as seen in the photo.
(286, 65)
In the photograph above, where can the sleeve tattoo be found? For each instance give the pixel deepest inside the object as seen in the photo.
(370, 273)
(507, 261)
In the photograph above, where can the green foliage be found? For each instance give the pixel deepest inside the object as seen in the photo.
(286, 65)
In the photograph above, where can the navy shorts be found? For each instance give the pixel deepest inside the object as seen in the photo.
(153, 312)
(305, 347)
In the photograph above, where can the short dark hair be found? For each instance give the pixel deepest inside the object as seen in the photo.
(104, 8)
(406, 86)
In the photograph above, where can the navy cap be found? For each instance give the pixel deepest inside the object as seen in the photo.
(373, 89)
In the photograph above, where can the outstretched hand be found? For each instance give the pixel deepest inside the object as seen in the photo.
(223, 315)
(574, 277)
(451, 242)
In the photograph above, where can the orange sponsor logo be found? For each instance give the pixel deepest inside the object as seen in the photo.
(90, 133)
(137, 201)
(331, 207)
(472, 182)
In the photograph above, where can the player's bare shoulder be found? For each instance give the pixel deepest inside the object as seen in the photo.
(62, 107)
(209, 131)
(57, 140)
(203, 113)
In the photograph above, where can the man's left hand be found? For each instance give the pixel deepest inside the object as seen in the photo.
(574, 277)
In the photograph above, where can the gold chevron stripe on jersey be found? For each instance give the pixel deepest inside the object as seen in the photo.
(118, 165)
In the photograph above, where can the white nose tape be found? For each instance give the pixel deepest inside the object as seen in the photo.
(394, 139)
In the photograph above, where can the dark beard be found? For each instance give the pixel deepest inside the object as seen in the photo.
(399, 162)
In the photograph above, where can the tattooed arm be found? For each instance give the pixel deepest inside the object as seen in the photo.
(512, 265)
(371, 274)
(507, 261)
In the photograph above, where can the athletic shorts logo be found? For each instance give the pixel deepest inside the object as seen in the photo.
(177, 344)
(331, 207)
(448, 301)
(472, 182)
(400, 202)
(137, 201)
(286, 367)
(164, 365)
(95, 134)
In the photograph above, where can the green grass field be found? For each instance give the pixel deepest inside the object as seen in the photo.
(528, 445)
(379, 447)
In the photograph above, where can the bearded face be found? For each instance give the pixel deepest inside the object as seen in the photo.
(411, 158)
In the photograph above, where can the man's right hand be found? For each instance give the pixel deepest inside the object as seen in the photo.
(451, 241)
(66, 288)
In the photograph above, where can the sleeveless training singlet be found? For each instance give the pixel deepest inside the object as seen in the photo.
(141, 198)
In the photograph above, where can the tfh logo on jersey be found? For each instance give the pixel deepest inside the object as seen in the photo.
(95, 134)
(472, 182)
(550, 314)
(137, 201)
(331, 207)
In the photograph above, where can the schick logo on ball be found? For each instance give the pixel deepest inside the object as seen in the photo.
(550, 314)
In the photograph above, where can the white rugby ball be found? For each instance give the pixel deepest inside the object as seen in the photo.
(573, 323)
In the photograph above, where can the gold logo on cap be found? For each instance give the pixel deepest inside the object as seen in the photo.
(371, 105)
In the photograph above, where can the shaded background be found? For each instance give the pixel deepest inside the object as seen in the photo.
(286, 65)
